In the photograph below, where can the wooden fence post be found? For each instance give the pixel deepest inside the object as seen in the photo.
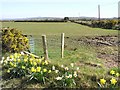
(45, 47)
(62, 45)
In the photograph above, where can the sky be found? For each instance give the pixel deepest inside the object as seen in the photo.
(57, 8)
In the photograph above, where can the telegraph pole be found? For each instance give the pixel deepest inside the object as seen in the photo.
(119, 10)
(99, 12)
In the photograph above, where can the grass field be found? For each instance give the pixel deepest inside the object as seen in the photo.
(35, 28)
(84, 53)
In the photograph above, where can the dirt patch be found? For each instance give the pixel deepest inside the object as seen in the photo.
(100, 40)
(106, 48)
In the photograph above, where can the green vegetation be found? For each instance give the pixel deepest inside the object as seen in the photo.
(33, 28)
(13, 41)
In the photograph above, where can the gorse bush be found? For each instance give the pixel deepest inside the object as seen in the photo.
(13, 40)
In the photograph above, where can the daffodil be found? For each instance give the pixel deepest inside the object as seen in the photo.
(112, 72)
(117, 74)
(39, 61)
(53, 67)
(8, 71)
(34, 63)
(78, 68)
(23, 67)
(113, 81)
(30, 59)
(58, 78)
(62, 66)
(15, 55)
(102, 81)
(70, 75)
(72, 65)
(14, 60)
(18, 60)
(66, 68)
(38, 69)
(43, 63)
(14, 65)
(25, 60)
(44, 70)
(49, 71)
(46, 62)
(56, 71)
(11, 56)
(33, 69)
(11, 64)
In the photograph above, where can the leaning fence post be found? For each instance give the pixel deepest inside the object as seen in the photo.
(62, 45)
(45, 47)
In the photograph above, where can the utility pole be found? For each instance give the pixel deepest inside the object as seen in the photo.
(99, 12)
(119, 10)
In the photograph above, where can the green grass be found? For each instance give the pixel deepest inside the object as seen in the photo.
(35, 28)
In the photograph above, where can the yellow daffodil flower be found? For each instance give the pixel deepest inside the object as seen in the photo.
(14, 65)
(25, 60)
(113, 81)
(39, 61)
(11, 64)
(18, 60)
(43, 63)
(49, 71)
(44, 70)
(112, 72)
(117, 74)
(33, 69)
(8, 71)
(46, 62)
(15, 60)
(11, 56)
(102, 81)
(15, 55)
(38, 69)
(34, 63)
(30, 59)
(23, 67)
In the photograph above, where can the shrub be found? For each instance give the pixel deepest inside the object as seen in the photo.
(13, 40)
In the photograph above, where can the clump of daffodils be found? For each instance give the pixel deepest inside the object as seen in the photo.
(21, 64)
(113, 81)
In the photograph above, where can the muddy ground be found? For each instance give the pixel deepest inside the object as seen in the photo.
(106, 47)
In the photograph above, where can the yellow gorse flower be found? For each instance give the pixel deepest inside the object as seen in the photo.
(102, 81)
(112, 72)
(113, 81)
